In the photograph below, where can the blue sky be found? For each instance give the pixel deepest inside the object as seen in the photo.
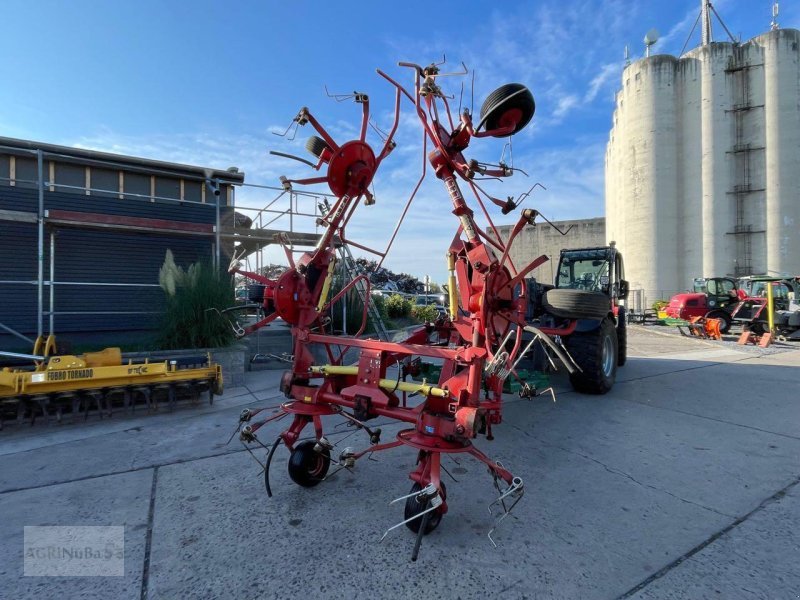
(207, 83)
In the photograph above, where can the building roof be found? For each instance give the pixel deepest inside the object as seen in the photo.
(121, 161)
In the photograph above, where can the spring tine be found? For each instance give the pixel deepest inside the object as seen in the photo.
(498, 521)
(516, 489)
(262, 465)
(417, 516)
(551, 390)
(516, 485)
(523, 353)
(404, 497)
(235, 431)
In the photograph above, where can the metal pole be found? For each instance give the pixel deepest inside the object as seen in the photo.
(40, 248)
(344, 314)
(770, 308)
(51, 329)
(217, 242)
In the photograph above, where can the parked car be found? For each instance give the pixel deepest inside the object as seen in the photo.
(437, 300)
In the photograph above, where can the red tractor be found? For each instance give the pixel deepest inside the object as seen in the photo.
(751, 312)
(713, 298)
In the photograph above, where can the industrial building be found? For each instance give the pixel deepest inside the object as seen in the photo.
(83, 235)
(703, 163)
(545, 239)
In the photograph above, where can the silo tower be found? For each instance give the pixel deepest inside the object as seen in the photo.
(703, 161)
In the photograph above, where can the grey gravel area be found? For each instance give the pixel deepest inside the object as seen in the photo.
(728, 341)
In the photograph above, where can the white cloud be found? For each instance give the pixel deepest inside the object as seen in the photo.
(608, 73)
(565, 104)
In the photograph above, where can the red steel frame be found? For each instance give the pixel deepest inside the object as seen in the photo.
(467, 399)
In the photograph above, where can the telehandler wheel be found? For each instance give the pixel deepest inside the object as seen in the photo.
(316, 145)
(725, 320)
(413, 508)
(576, 304)
(307, 467)
(622, 337)
(596, 355)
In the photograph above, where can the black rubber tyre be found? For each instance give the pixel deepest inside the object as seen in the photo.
(512, 96)
(414, 508)
(622, 337)
(758, 327)
(255, 292)
(596, 354)
(725, 326)
(316, 145)
(576, 304)
(307, 467)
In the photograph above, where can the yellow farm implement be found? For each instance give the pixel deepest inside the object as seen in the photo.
(100, 380)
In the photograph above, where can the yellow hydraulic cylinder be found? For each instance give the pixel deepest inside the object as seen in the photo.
(326, 287)
(452, 293)
(387, 384)
(770, 308)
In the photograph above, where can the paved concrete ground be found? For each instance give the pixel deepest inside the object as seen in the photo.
(680, 483)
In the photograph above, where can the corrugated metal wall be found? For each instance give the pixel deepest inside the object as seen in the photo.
(89, 256)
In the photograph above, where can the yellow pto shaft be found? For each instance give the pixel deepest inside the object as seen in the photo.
(387, 384)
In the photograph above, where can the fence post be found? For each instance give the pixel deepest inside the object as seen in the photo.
(40, 247)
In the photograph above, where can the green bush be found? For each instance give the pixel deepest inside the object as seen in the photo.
(398, 307)
(355, 310)
(380, 304)
(193, 300)
(660, 305)
(425, 314)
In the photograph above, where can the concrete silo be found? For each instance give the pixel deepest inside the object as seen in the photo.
(703, 163)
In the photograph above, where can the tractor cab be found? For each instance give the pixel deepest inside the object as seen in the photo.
(720, 292)
(593, 270)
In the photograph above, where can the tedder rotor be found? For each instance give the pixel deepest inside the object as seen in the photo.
(477, 345)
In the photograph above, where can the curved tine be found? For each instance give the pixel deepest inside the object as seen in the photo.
(554, 226)
(524, 196)
(292, 124)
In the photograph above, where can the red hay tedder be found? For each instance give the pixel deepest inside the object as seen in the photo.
(478, 344)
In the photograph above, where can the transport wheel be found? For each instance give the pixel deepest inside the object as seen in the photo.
(622, 337)
(506, 105)
(316, 145)
(596, 355)
(307, 467)
(758, 328)
(576, 304)
(414, 508)
(725, 318)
